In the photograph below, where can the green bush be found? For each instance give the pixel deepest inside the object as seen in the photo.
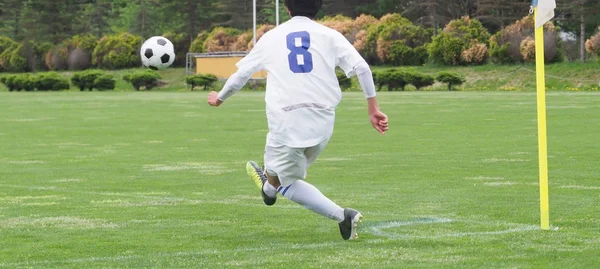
(201, 80)
(147, 79)
(420, 80)
(117, 51)
(8, 81)
(401, 54)
(221, 39)
(197, 45)
(5, 44)
(448, 46)
(394, 78)
(86, 79)
(105, 82)
(451, 78)
(24, 82)
(344, 81)
(51, 81)
(393, 40)
(18, 61)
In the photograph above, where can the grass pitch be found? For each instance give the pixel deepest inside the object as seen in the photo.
(155, 179)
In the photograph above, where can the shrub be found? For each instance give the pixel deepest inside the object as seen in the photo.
(392, 41)
(394, 78)
(5, 44)
(51, 81)
(420, 80)
(147, 79)
(221, 39)
(458, 36)
(512, 45)
(260, 31)
(117, 51)
(401, 54)
(340, 23)
(105, 82)
(8, 82)
(242, 42)
(477, 53)
(592, 45)
(56, 58)
(197, 45)
(344, 81)
(17, 61)
(86, 79)
(201, 80)
(23, 82)
(450, 78)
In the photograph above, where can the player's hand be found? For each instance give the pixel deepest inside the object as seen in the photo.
(379, 121)
(213, 99)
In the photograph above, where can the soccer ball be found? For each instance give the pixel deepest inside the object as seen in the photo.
(157, 53)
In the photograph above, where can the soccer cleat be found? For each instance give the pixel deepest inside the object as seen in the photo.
(349, 226)
(258, 176)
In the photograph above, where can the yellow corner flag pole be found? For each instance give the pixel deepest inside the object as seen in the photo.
(541, 119)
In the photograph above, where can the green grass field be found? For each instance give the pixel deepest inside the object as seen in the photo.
(156, 179)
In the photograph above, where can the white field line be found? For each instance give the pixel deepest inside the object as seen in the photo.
(378, 229)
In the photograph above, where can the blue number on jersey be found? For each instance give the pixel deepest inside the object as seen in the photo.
(300, 59)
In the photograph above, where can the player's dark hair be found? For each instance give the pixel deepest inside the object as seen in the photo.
(306, 8)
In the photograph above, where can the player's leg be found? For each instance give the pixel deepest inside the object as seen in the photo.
(289, 165)
(259, 177)
(349, 226)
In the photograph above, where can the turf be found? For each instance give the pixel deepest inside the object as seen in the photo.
(156, 179)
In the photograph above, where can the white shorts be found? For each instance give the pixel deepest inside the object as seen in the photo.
(290, 164)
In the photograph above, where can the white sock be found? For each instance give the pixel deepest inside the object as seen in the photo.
(310, 197)
(269, 190)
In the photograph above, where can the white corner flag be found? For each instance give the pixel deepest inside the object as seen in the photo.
(545, 11)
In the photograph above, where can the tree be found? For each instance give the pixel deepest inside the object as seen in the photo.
(580, 17)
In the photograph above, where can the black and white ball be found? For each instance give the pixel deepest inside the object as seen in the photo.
(157, 53)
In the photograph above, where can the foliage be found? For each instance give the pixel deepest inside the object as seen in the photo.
(451, 78)
(105, 82)
(51, 81)
(86, 79)
(147, 79)
(458, 36)
(393, 78)
(420, 80)
(201, 80)
(117, 51)
(477, 53)
(401, 54)
(198, 43)
(221, 39)
(5, 44)
(592, 45)
(19, 82)
(513, 44)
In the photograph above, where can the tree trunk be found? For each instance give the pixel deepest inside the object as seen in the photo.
(582, 39)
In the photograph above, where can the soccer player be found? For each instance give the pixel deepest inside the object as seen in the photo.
(300, 57)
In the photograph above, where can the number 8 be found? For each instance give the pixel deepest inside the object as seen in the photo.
(303, 64)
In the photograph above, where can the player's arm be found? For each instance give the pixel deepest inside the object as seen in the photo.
(365, 79)
(252, 63)
(353, 64)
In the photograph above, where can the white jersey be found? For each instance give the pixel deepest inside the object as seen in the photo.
(300, 57)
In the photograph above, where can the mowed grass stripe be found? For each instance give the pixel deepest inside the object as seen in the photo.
(155, 179)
